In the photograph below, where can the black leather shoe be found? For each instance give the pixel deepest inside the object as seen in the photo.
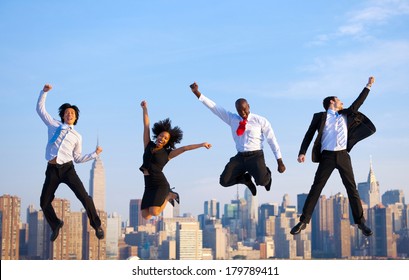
(99, 232)
(55, 233)
(268, 186)
(298, 228)
(250, 184)
(365, 230)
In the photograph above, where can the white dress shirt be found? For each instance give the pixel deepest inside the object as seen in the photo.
(330, 133)
(64, 142)
(257, 129)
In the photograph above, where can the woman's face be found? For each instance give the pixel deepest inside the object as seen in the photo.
(162, 139)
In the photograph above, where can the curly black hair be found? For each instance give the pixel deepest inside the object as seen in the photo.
(65, 106)
(176, 134)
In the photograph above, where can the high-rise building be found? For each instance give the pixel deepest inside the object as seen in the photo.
(9, 227)
(369, 190)
(215, 237)
(135, 214)
(97, 184)
(113, 234)
(212, 209)
(188, 241)
(92, 247)
(59, 248)
(383, 241)
(392, 197)
(251, 215)
(36, 230)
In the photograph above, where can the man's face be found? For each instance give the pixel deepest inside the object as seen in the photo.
(243, 109)
(69, 116)
(338, 104)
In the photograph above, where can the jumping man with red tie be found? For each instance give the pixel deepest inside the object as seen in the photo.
(249, 131)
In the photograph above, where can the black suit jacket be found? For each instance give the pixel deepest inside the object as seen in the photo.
(359, 127)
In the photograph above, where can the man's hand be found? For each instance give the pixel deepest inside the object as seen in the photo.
(301, 158)
(195, 89)
(98, 150)
(144, 104)
(47, 87)
(281, 166)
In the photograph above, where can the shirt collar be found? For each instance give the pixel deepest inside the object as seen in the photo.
(332, 112)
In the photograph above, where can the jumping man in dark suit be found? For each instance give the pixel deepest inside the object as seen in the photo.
(339, 130)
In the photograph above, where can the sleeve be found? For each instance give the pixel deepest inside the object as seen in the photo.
(310, 134)
(42, 112)
(222, 113)
(77, 153)
(268, 132)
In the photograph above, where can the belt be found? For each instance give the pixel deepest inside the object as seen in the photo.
(250, 153)
(60, 165)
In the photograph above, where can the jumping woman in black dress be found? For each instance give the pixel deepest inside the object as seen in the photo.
(157, 154)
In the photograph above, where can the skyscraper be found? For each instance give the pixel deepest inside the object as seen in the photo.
(97, 184)
(188, 241)
(369, 190)
(9, 227)
(135, 214)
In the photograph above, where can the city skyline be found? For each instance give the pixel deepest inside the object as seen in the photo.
(284, 58)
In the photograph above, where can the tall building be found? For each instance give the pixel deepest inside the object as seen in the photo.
(9, 227)
(212, 209)
(266, 210)
(369, 190)
(383, 241)
(60, 248)
(135, 214)
(392, 197)
(92, 247)
(215, 237)
(251, 215)
(188, 241)
(97, 184)
(113, 234)
(36, 230)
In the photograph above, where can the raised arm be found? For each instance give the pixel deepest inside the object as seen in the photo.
(178, 151)
(146, 123)
(41, 110)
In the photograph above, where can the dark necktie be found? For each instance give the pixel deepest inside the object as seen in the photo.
(242, 127)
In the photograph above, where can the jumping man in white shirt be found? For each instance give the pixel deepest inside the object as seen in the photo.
(249, 131)
(64, 146)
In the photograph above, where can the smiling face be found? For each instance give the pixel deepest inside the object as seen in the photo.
(162, 139)
(69, 116)
(243, 108)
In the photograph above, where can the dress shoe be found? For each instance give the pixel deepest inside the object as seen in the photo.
(99, 232)
(55, 233)
(365, 230)
(268, 186)
(172, 200)
(298, 228)
(250, 184)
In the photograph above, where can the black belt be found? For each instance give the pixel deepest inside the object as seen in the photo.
(250, 153)
(61, 165)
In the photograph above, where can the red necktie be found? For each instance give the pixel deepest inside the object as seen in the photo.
(242, 127)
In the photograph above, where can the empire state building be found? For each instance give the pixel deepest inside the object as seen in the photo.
(97, 184)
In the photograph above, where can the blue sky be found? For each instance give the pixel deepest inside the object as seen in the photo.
(284, 57)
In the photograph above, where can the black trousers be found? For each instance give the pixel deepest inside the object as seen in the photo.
(65, 173)
(251, 162)
(329, 161)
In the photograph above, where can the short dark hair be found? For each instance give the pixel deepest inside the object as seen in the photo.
(66, 106)
(327, 100)
(176, 134)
